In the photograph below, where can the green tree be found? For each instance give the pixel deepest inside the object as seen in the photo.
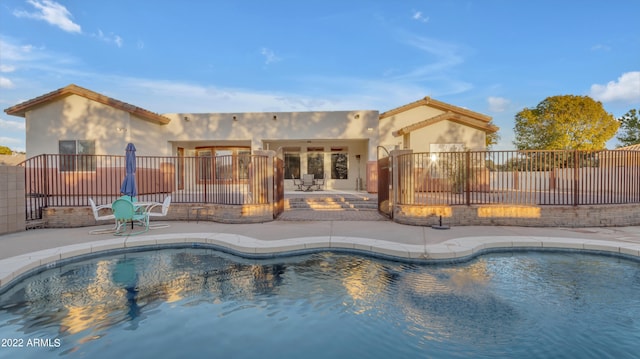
(629, 128)
(4, 150)
(564, 122)
(492, 138)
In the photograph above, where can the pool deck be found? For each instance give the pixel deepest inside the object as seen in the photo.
(23, 252)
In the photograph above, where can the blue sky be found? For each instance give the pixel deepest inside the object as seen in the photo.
(491, 56)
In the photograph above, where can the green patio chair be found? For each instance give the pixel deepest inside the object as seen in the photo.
(126, 212)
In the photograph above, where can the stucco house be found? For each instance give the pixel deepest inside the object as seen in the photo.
(338, 145)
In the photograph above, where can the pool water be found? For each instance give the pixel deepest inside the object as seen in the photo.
(202, 303)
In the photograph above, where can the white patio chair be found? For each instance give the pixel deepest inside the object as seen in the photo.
(162, 213)
(105, 217)
(164, 209)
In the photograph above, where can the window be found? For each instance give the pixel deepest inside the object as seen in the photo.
(77, 155)
(244, 160)
(339, 163)
(223, 163)
(204, 165)
(291, 163)
(315, 161)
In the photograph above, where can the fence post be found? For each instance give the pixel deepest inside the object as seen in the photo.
(46, 184)
(467, 185)
(576, 173)
(402, 183)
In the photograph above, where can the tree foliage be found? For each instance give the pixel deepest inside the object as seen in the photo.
(492, 138)
(629, 128)
(563, 123)
(4, 150)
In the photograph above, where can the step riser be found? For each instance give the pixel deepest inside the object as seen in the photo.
(330, 204)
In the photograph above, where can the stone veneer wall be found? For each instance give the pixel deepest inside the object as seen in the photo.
(524, 216)
(12, 199)
(68, 217)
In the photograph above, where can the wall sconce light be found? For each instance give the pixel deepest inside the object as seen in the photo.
(187, 118)
(357, 116)
(235, 118)
(275, 117)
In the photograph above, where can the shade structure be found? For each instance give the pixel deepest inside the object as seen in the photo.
(128, 187)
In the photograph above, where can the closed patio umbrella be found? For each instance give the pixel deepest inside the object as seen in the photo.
(129, 184)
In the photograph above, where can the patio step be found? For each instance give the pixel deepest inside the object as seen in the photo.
(330, 204)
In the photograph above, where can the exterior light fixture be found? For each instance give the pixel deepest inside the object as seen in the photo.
(187, 118)
(275, 117)
(235, 118)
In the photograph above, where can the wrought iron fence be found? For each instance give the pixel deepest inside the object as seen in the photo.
(519, 177)
(70, 180)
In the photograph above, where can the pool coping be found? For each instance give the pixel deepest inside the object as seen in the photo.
(13, 269)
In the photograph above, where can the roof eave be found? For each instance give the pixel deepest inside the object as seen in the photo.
(428, 101)
(449, 116)
(22, 108)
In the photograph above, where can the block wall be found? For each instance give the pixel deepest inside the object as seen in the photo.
(12, 199)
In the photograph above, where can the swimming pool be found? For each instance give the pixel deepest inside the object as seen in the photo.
(204, 303)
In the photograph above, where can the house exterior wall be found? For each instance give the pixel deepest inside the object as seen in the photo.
(393, 123)
(447, 132)
(198, 129)
(75, 118)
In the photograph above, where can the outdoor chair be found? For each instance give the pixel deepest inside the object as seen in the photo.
(164, 206)
(164, 209)
(308, 182)
(297, 182)
(126, 212)
(319, 183)
(105, 217)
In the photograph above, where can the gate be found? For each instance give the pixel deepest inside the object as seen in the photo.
(384, 205)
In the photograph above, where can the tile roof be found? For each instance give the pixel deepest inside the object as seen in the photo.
(450, 116)
(635, 147)
(428, 101)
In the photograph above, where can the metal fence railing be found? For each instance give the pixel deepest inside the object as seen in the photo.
(53, 180)
(519, 177)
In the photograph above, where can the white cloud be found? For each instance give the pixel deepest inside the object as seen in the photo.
(497, 104)
(5, 83)
(12, 125)
(7, 68)
(51, 12)
(417, 15)
(440, 58)
(626, 89)
(13, 52)
(14, 143)
(446, 55)
(111, 38)
(27, 58)
(269, 55)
